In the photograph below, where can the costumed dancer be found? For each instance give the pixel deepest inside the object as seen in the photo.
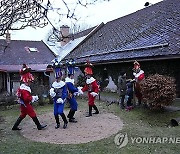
(139, 76)
(72, 90)
(59, 93)
(92, 87)
(25, 99)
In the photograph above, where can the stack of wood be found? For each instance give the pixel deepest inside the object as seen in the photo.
(158, 90)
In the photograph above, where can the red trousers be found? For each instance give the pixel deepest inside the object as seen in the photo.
(90, 100)
(28, 110)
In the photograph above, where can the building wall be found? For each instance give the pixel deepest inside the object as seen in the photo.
(2, 81)
(11, 81)
(163, 67)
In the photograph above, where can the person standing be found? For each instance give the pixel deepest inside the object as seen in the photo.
(72, 90)
(59, 94)
(129, 95)
(139, 76)
(92, 87)
(122, 88)
(25, 99)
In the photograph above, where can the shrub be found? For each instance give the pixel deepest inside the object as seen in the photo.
(158, 90)
(80, 81)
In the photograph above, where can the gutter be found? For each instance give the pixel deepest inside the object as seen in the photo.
(132, 60)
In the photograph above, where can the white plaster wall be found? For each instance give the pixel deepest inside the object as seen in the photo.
(111, 85)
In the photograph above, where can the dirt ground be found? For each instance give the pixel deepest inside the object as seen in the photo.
(87, 129)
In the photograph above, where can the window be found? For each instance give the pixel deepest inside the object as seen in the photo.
(28, 49)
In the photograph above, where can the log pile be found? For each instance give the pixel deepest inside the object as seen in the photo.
(158, 90)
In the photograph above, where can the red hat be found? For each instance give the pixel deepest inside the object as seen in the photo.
(136, 65)
(88, 69)
(26, 76)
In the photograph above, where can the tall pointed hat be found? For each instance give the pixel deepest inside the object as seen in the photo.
(71, 67)
(88, 68)
(57, 68)
(26, 76)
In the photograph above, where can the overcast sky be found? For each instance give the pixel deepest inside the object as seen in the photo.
(93, 15)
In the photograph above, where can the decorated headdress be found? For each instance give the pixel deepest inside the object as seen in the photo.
(88, 68)
(57, 68)
(136, 65)
(26, 76)
(70, 67)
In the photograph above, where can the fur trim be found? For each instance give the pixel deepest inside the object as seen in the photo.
(89, 81)
(138, 74)
(24, 87)
(69, 80)
(58, 84)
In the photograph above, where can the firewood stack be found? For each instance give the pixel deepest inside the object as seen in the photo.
(158, 90)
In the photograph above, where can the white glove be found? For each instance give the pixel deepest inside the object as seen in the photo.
(79, 90)
(133, 80)
(76, 93)
(52, 93)
(59, 101)
(34, 98)
(93, 94)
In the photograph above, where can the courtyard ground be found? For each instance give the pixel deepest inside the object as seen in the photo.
(138, 123)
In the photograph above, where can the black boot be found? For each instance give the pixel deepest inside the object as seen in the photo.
(65, 120)
(70, 116)
(96, 109)
(18, 121)
(39, 126)
(57, 121)
(90, 111)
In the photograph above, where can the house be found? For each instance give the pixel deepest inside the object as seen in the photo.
(150, 35)
(17, 52)
(69, 42)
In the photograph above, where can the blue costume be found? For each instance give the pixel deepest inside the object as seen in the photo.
(59, 93)
(72, 90)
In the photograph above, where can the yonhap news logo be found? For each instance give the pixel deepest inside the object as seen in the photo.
(121, 140)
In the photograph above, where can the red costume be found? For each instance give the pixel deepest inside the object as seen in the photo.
(139, 76)
(25, 99)
(92, 87)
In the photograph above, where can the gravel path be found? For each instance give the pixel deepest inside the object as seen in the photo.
(87, 129)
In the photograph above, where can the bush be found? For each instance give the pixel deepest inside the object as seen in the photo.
(42, 91)
(81, 80)
(158, 90)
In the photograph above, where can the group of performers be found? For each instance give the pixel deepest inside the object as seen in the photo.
(60, 91)
(128, 88)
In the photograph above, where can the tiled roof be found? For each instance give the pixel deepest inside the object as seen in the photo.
(82, 33)
(152, 32)
(17, 53)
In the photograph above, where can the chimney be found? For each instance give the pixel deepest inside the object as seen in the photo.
(64, 34)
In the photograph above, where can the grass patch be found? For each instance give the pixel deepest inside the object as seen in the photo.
(139, 122)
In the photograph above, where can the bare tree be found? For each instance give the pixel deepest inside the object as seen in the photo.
(54, 35)
(19, 14)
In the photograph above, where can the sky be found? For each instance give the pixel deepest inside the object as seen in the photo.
(90, 16)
